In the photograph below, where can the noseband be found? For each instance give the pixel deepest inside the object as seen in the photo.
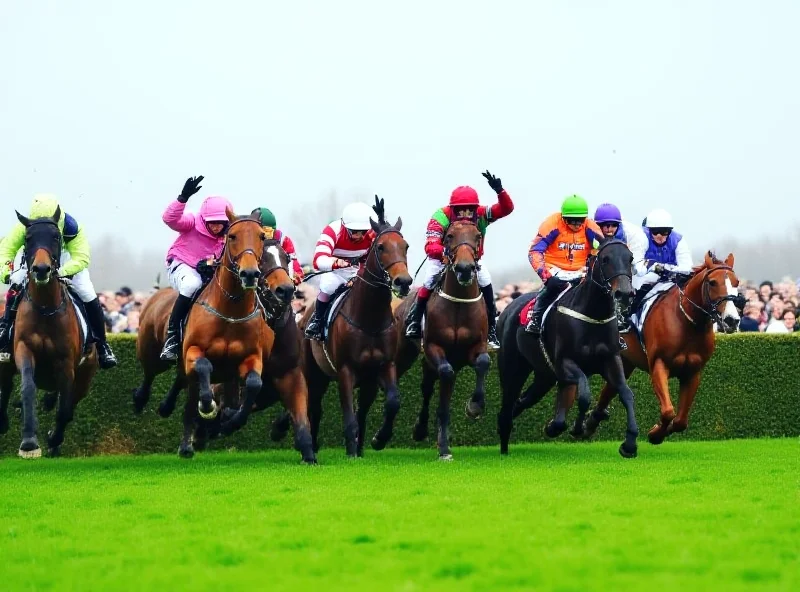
(712, 312)
(382, 278)
(449, 253)
(274, 307)
(233, 262)
(55, 259)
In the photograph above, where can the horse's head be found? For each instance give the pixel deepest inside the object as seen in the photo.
(244, 245)
(612, 270)
(720, 296)
(42, 246)
(461, 244)
(389, 261)
(275, 271)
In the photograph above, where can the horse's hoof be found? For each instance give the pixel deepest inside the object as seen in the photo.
(378, 443)
(165, 410)
(210, 414)
(54, 452)
(626, 453)
(186, 451)
(446, 457)
(473, 411)
(420, 432)
(52, 442)
(27, 454)
(656, 435)
(553, 429)
(577, 433)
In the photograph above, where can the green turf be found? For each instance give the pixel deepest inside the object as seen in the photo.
(682, 516)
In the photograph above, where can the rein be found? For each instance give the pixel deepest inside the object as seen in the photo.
(449, 268)
(712, 313)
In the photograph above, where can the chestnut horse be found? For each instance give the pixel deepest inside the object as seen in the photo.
(48, 349)
(454, 335)
(678, 338)
(360, 347)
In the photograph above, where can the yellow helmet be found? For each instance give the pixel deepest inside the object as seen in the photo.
(44, 206)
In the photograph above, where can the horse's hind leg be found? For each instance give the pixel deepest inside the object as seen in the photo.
(615, 374)
(567, 389)
(600, 412)
(250, 370)
(429, 377)
(688, 390)
(29, 447)
(167, 405)
(659, 377)
(280, 426)
(366, 397)
(346, 381)
(6, 385)
(447, 378)
(66, 380)
(141, 394)
(541, 385)
(584, 401)
(477, 403)
(514, 371)
(293, 391)
(390, 408)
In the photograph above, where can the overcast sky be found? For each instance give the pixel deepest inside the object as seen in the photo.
(692, 106)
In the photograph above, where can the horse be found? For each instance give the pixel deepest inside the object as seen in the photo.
(454, 335)
(49, 345)
(580, 337)
(677, 340)
(360, 346)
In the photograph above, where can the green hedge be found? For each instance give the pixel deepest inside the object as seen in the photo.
(751, 388)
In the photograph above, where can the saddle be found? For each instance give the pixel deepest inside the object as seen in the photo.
(337, 300)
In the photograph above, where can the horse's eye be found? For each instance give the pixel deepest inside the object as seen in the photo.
(380, 247)
(232, 236)
(263, 236)
(605, 259)
(713, 283)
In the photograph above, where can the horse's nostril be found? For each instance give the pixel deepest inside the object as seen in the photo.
(285, 293)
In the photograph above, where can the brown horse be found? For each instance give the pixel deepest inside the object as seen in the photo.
(48, 346)
(454, 335)
(361, 344)
(678, 338)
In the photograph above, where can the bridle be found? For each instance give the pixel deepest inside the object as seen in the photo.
(382, 279)
(274, 307)
(231, 263)
(55, 260)
(709, 307)
(450, 252)
(605, 286)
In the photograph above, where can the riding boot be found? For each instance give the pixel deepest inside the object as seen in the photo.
(98, 324)
(172, 345)
(314, 330)
(13, 297)
(543, 300)
(491, 316)
(414, 318)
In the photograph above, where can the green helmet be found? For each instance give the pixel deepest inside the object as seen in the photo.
(266, 216)
(574, 206)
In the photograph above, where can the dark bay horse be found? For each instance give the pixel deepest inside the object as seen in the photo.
(579, 338)
(454, 335)
(48, 347)
(360, 347)
(678, 337)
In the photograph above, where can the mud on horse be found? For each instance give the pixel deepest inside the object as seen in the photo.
(47, 347)
(454, 335)
(360, 347)
(678, 339)
(579, 338)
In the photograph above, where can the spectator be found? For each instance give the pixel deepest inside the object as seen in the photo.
(124, 297)
(789, 318)
(751, 321)
(765, 289)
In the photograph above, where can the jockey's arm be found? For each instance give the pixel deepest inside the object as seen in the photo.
(684, 257)
(288, 246)
(9, 247)
(501, 209)
(548, 232)
(637, 243)
(434, 234)
(177, 218)
(80, 254)
(323, 251)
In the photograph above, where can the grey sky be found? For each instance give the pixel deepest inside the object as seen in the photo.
(690, 105)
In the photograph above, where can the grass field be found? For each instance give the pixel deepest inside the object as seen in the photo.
(687, 515)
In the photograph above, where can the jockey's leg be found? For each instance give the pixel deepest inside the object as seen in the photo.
(328, 284)
(414, 318)
(186, 281)
(551, 289)
(82, 286)
(485, 283)
(13, 297)
(642, 285)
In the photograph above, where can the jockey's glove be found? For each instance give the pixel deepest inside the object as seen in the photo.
(435, 252)
(340, 264)
(494, 182)
(5, 272)
(191, 187)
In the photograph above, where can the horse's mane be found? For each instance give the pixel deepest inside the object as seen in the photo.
(714, 261)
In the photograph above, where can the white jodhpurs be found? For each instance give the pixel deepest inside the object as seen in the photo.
(184, 278)
(81, 282)
(648, 278)
(434, 266)
(329, 282)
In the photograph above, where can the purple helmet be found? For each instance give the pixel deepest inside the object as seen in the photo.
(607, 213)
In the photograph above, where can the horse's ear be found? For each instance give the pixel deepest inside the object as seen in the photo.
(229, 213)
(379, 210)
(22, 219)
(375, 226)
(399, 224)
(729, 260)
(57, 215)
(709, 260)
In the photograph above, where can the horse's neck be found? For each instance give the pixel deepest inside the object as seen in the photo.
(598, 303)
(45, 296)
(693, 295)
(453, 288)
(243, 301)
(369, 302)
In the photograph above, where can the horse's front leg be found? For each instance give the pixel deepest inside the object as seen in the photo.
(6, 385)
(66, 385)
(366, 397)
(167, 405)
(388, 376)
(250, 374)
(346, 382)
(584, 401)
(688, 390)
(447, 377)
(615, 374)
(29, 447)
(198, 376)
(659, 377)
(571, 376)
(293, 391)
(429, 376)
(479, 360)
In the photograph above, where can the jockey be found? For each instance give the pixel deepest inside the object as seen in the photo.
(666, 251)
(201, 238)
(609, 219)
(269, 224)
(75, 258)
(559, 253)
(341, 245)
(464, 205)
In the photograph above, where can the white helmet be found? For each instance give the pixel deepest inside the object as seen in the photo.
(659, 219)
(356, 216)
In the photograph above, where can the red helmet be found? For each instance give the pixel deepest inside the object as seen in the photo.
(464, 196)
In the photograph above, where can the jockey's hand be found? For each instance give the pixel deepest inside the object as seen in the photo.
(435, 252)
(494, 182)
(5, 272)
(297, 279)
(191, 187)
(659, 268)
(340, 264)
(545, 275)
